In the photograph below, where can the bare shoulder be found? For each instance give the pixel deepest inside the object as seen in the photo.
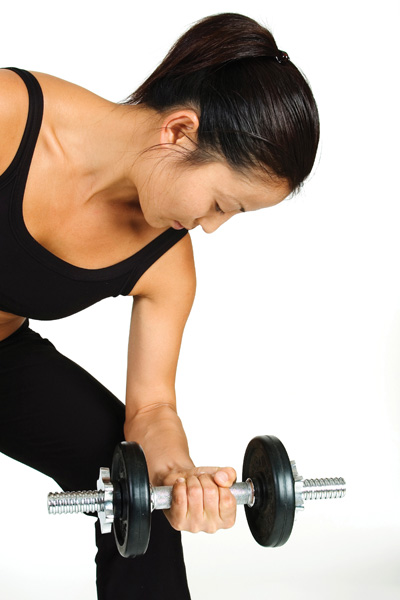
(14, 105)
(173, 276)
(63, 101)
(56, 87)
(66, 102)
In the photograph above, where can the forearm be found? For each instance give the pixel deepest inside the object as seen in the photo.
(160, 432)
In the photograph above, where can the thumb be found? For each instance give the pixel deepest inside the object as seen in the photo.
(225, 477)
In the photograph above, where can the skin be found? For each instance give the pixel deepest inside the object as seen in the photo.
(95, 196)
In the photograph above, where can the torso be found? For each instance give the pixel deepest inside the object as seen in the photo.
(81, 233)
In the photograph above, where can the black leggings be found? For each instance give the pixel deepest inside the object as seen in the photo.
(58, 419)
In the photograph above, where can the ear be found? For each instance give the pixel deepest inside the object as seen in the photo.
(178, 126)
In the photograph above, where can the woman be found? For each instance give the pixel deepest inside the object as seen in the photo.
(95, 201)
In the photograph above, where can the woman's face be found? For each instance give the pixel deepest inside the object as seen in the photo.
(207, 195)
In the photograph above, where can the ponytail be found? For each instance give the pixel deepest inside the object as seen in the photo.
(256, 109)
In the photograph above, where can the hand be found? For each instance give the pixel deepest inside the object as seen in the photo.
(201, 499)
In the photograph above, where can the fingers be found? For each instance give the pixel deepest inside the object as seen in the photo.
(219, 505)
(227, 508)
(211, 503)
(199, 504)
(177, 514)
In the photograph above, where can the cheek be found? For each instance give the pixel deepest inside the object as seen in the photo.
(193, 202)
(173, 196)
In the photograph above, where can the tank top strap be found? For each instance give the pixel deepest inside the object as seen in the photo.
(22, 159)
(148, 255)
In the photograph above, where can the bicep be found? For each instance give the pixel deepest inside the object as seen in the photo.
(159, 316)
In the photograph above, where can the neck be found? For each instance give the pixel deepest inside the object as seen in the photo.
(106, 147)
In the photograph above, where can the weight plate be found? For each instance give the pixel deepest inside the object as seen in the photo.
(267, 464)
(132, 512)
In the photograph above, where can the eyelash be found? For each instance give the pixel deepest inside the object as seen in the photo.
(219, 209)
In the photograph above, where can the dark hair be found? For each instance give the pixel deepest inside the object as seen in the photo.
(255, 111)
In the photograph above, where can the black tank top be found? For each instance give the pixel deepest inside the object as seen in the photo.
(34, 282)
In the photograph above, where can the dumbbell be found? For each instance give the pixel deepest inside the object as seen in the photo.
(272, 491)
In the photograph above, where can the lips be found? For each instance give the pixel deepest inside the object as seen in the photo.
(177, 225)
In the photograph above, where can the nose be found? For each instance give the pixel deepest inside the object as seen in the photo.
(212, 223)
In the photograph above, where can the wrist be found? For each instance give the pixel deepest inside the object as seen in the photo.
(160, 432)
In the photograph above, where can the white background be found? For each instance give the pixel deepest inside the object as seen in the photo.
(296, 327)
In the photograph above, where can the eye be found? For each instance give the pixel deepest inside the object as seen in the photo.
(219, 209)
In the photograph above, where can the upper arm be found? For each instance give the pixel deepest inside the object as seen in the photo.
(13, 114)
(159, 316)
